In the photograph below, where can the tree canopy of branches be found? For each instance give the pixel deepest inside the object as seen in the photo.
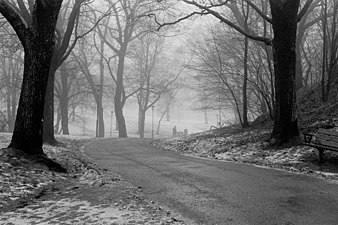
(67, 36)
(129, 21)
(150, 74)
(283, 17)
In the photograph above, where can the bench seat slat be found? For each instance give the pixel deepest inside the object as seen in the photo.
(321, 147)
(328, 143)
(328, 132)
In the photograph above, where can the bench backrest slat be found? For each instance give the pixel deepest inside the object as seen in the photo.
(328, 132)
(327, 137)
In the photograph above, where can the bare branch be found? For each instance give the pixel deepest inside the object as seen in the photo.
(267, 41)
(260, 12)
(304, 10)
(175, 22)
(65, 56)
(15, 20)
(24, 12)
(70, 26)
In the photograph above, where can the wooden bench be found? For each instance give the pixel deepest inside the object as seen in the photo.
(324, 140)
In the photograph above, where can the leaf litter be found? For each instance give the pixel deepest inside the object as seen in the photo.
(30, 193)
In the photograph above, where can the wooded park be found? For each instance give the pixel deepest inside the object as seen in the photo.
(251, 57)
(169, 112)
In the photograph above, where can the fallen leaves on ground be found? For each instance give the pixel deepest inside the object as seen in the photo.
(86, 194)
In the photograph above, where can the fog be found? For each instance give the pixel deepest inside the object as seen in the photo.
(113, 52)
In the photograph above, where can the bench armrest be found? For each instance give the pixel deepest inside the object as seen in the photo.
(308, 137)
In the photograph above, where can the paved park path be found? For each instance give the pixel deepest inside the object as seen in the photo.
(216, 192)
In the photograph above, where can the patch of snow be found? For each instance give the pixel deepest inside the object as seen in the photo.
(73, 211)
(246, 147)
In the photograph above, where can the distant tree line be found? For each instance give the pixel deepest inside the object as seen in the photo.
(254, 61)
(262, 54)
(66, 50)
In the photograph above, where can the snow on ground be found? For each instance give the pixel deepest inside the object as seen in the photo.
(20, 178)
(249, 147)
(73, 211)
(32, 194)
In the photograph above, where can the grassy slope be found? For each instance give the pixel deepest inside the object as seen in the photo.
(250, 145)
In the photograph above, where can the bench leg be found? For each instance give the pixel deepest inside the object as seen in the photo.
(321, 155)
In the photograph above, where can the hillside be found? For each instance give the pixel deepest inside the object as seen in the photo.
(251, 145)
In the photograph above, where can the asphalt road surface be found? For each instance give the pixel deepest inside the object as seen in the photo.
(216, 192)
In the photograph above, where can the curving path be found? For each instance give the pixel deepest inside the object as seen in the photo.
(216, 192)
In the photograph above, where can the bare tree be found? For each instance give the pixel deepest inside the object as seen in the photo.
(129, 17)
(85, 57)
(151, 77)
(35, 30)
(330, 47)
(70, 90)
(285, 15)
(66, 39)
(11, 68)
(166, 102)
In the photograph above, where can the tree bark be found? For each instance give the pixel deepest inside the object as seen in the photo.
(141, 122)
(159, 122)
(48, 120)
(324, 59)
(121, 123)
(118, 100)
(284, 22)
(99, 112)
(58, 120)
(64, 118)
(245, 84)
(38, 43)
(64, 99)
(60, 54)
(99, 104)
(299, 66)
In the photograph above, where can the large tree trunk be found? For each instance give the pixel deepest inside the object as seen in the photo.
(299, 67)
(245, 84)
(159, 123)
(284, 22)
(58, 121)
(39, 47)
(100, 96)
(64, 100)
(141, 122)
(324, 59)
(64, 115)
(99, 111)
(48, 115)
(121, 123)
(299, 45)
(14, 104)
(118, 100)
